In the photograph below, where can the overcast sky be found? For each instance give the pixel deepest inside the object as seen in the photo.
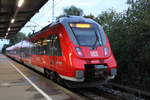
(95, 7)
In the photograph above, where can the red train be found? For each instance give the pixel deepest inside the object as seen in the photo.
(73, 49)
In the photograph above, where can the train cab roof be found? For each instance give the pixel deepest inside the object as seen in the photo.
(68, 19)
(65, 20)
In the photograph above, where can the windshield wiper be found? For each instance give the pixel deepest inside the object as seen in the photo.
(94, 45)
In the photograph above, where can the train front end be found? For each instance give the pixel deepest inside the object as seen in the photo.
(90, 56)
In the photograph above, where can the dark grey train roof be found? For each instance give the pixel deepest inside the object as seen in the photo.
(69, 19)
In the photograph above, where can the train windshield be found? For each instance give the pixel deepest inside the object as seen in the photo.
(86, 34)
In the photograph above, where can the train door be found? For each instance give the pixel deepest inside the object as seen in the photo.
(46, 52)
(43, 52)
(36, 57)
(57, 52)
(52, 57)
(53, 51)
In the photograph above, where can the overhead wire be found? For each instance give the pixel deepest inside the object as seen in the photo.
(58, 2)
(36, 23)
(38, 16)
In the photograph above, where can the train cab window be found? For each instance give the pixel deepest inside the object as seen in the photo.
(87, 34)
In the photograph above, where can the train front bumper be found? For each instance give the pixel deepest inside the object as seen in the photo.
(92, 73)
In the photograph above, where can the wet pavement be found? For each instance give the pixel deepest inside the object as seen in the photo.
(13, 85)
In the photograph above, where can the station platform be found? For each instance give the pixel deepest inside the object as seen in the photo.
(18, 82)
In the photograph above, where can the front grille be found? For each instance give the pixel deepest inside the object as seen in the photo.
(93, 74)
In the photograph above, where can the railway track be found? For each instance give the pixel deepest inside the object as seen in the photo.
(136, 92)
(120, 95)
(105, 93)
(95, 94)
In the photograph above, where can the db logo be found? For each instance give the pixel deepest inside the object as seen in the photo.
(94, 53)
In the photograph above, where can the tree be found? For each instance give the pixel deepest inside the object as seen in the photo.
(129, 36)
(4, 48)
(17, 38)
(90, 16)
(72, 10)
(107, 19)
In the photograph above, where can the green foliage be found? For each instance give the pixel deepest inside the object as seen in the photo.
(72, 10)
(129, 35)
(4, 48)
(89, 16)
(107, 19)
(17, 38)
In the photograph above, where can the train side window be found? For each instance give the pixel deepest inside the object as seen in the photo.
(34, 48)
(53, 46)
(50, 45)
(42, 51)
(45, 43)
(38, 47)
(49, 41)
(56, 45)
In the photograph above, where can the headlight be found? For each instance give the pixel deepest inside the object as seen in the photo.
(113, 71)
(78, 50)
(79, 74)
(106, 51)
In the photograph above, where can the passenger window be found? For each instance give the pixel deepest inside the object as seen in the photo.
(50, 46)
(54, 46)
(37, 47)
(45, 47)
(57, 46)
